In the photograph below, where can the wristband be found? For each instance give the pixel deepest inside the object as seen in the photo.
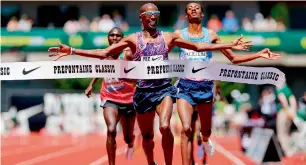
(72, 51)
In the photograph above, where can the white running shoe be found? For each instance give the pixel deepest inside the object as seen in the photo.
(129, 153)
(209, 148)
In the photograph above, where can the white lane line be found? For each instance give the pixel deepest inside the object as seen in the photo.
(55, 154)
(104, 158)
(228, 154)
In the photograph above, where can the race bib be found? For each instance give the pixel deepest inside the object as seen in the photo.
(152, 58)
(113, 84)
(197, 56)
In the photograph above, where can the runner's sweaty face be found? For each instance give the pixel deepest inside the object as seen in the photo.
(194, 12)
(114, 36)
(149, 16)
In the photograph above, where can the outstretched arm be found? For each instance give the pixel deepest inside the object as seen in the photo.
(237, 59)
(109, 51)
(201, 46)
(64, 50)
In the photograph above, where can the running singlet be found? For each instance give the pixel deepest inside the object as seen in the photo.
(151, 51)
(287, 92)
(186, 54)
(117, 90)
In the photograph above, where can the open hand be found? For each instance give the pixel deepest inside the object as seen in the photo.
(88, 91)
(238, 44)
(59, 52)
(267, 54)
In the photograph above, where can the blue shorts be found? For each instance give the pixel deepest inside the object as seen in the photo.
(147, 99)
(195, 92)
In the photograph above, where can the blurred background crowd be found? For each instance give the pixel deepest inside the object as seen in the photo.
(229, 23)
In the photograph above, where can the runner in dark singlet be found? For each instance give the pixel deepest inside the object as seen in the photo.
(151, 95)
(117, 103)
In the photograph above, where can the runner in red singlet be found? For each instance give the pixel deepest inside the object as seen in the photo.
(117, 103)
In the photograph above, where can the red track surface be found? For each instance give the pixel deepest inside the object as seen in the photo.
(90, 150)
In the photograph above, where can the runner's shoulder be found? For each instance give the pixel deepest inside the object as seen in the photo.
(214, 35)
(212, 32)
(172, 35)
(130, 38)
(177, 32)
(127, 49)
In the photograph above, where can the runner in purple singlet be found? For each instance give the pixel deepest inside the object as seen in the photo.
(151, 95)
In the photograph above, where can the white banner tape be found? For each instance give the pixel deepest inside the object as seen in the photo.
(140, 70)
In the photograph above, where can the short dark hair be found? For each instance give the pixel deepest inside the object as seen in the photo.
(116, 28)
(186, 8)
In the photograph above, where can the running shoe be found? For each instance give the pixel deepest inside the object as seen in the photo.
(129, 152)
(209, 148)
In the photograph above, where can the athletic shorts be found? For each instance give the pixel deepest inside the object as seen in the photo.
(123, 109)
(147, 99)
(195, 92)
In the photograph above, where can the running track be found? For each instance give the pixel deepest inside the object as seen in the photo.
(90, 150)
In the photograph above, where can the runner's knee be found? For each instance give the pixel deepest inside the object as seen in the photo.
(186, 129)
(129, 140)
(165, 127)
(112, 130)
(148, 136)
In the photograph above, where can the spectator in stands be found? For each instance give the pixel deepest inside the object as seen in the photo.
(247, 25)
(214, 23)
(125, 26)
(260, 24)
(287, 105)
(280, 25)
(25, 24)
(268, 107)
(117, 18)
(181, 22)
(230, 22)
(241, 116)
(84, 24)
(119, 22)
(12, 24)
(271, 23)
(106, 23)
(72, 26)
(51, 25)
(94, 26)
(302, 107)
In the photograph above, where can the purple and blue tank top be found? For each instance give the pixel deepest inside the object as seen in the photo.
(151, 51)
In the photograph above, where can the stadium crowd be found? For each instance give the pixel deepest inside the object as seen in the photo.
(106, 22)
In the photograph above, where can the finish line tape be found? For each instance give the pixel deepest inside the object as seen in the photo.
(140, 70)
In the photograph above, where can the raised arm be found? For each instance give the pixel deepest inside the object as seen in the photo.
(64, 50)
(237, 59)
(200, 47)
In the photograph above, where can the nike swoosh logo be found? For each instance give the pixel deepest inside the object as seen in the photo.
(196, 70)
(24, 72)
(153, 59)
(128, 70)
